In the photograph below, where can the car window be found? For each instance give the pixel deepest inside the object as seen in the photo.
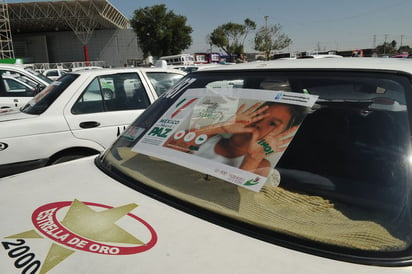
(15, 76)
(91, 101)
(39, 75)
(13, 85)
(47, 96)
(28, 81)
(52, 73)
(123, 91)
(236, 83)
(340, 184)
(162, 81)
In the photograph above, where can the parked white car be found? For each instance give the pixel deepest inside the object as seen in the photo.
(80, 114)
(303, 168)
(54, 74)
(195, 67)
(85, 68)
(18, 84)
(9, 97)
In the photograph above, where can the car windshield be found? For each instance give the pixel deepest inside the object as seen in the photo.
(47, 96)
(27, 81)
(162, 81)
(39, 75)
(337, 144)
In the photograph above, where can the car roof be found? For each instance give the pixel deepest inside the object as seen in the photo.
(125, 70)
(5, 76)
(348, 63)
(14, 66)
(56, 69)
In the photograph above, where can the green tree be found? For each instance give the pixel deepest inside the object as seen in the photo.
(386, 48)
(161, 32)
(271, 38)
(230, 37)
(405, 49)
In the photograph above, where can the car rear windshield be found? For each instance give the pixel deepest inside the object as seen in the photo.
(339, 178)
(39, 75)
(47, 96)
(162, 81)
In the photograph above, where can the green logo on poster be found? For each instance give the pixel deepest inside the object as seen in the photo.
(252, 182)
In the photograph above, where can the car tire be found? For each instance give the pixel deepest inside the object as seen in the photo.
(107, 94)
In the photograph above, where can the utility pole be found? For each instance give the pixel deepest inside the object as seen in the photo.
(384, 44)
(267, 51)
(6, 43)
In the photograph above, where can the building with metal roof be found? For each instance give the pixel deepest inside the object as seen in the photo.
(70, 31)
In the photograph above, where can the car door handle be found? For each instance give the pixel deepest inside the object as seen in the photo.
(89, 124)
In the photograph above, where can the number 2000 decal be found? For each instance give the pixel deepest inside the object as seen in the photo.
(71, 225)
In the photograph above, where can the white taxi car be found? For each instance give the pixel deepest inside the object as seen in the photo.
(303, 167)
(18, 84)
(55, 74)
(80, 114)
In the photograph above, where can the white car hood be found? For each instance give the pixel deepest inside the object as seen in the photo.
(111, 228)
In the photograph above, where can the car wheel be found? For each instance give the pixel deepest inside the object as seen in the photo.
(107, 94)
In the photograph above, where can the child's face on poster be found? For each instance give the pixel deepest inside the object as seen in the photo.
(276, 122)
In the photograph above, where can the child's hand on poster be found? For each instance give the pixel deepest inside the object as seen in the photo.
(258, 150)
(243, 118)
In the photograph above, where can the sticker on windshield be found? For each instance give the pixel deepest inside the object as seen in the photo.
(132, 133)
(237, 135)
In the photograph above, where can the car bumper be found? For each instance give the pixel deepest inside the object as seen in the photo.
(14, 168)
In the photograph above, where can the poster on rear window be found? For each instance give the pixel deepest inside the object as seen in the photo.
(237, 135)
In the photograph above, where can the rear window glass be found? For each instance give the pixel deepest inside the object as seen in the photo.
(340, 182)
(112, 92)
(47, 96)
(162, 81)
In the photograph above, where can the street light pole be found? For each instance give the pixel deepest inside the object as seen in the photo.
(266, 37)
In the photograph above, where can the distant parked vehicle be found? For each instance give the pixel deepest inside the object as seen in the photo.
(10, 96)
(318, 56)
(192, 68)
(180, 59)
(17, 84)
(54, 74)
(86, 68)
(208, 58)
(400, 56)
(78, 115)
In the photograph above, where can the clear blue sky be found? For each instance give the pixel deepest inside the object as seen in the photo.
(327, 24)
